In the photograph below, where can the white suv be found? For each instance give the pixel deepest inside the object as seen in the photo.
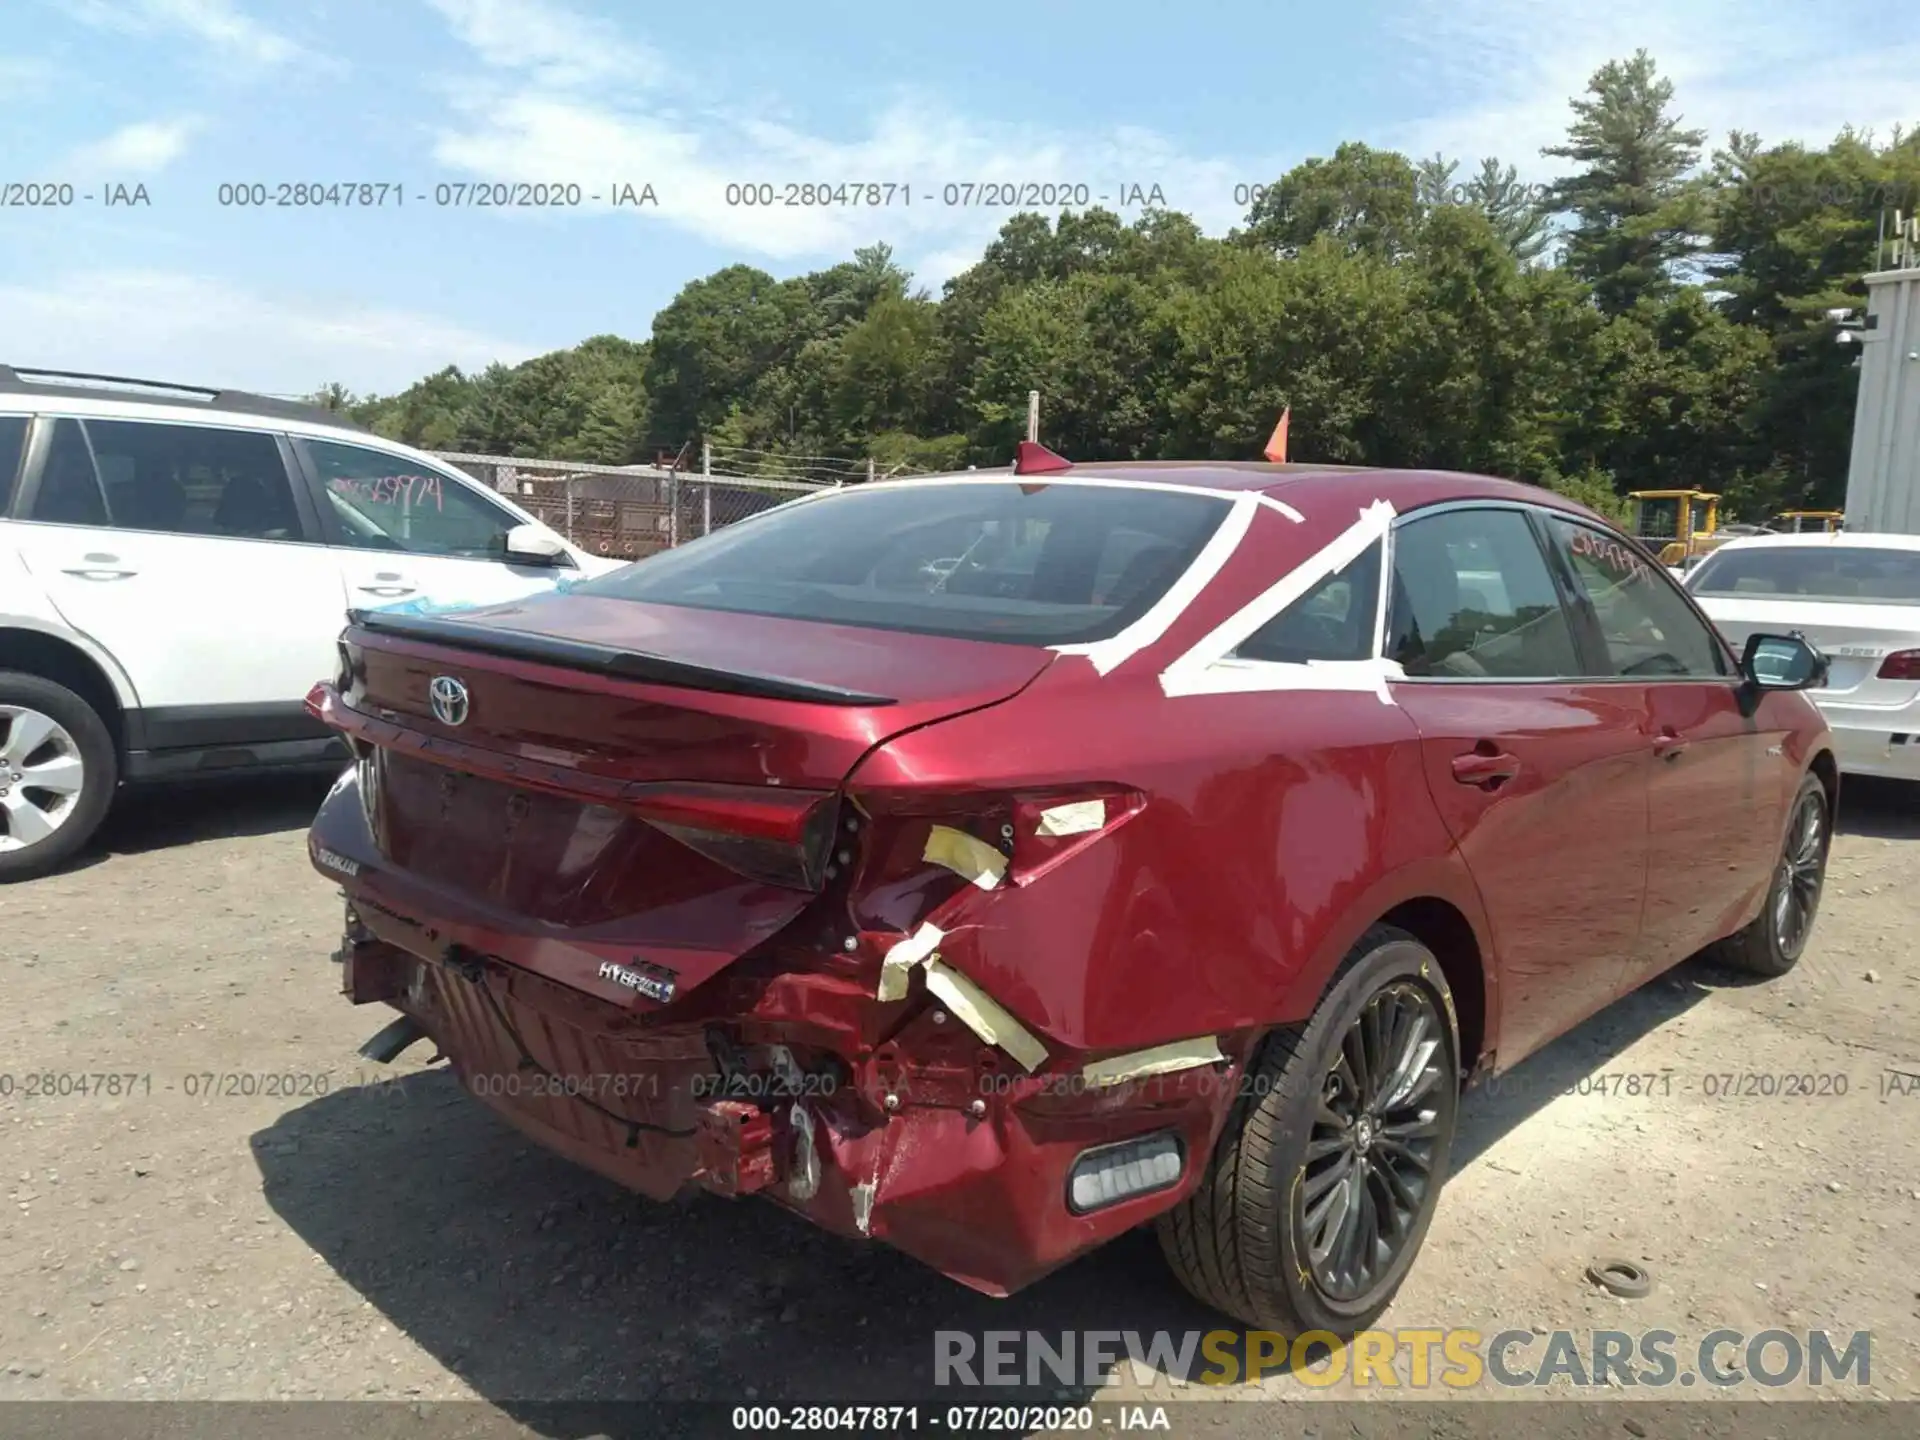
(175, 568)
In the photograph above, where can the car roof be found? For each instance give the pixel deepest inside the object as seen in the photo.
(26, 390)
(1305, 483)
(1813, 540)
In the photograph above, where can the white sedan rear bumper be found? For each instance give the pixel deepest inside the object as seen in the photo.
(1877, 750)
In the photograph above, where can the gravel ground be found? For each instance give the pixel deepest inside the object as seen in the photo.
(389, 1239)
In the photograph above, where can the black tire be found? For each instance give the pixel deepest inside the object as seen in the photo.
(1768, 947)
(100, 773)
(1240, 1242)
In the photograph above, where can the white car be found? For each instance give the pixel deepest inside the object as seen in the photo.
(176, 566)
(1856, 597)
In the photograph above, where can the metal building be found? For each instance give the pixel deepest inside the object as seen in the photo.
(1883, 473)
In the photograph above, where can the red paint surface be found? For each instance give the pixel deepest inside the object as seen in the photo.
(1253, 838)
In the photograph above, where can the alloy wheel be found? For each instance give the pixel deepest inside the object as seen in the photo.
(1371, 1151)
(41, 777)
(1803, 864)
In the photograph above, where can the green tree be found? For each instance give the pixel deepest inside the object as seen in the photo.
(1366, 200)
(714, 341)
(1636, 218)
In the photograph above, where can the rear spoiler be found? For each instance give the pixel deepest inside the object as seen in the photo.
(602, 659)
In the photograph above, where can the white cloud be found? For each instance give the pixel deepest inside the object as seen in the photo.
(219, 24)
(543, 118)
(22, 77)
(172, 326)
(555, 44)
(1512, 66)
(138, 149)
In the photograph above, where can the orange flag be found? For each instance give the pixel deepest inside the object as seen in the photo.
(1277, 446)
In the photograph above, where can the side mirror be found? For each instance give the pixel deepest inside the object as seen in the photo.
(1782, 662)
(532, 545)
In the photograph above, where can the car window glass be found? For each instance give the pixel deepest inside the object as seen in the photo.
(1035, 564)
(194, 480)
(1332, 621)
(1472, 597)
(13, 439)
(387, 502)
(69, 487)
(1649, 629)
(1855, 574)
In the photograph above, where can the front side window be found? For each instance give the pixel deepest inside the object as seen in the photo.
(386, 502)
(1647, 626)
(1472, 598)
(1332, 621)
(1034, 564)
(1852, 574)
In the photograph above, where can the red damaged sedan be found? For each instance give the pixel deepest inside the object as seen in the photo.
(990, 863)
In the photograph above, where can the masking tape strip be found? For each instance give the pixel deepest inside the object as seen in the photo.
(1107, 654)
(983, 1015)
(1159, 1060)
(1188, 675)
(899, 961)
(1076, 817)
(965, 855)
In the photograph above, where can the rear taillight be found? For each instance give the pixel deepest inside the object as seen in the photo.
(784, 837)
(1900, 665)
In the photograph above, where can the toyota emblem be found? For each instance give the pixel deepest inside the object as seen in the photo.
(448, 697)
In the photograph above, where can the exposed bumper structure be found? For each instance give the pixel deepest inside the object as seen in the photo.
(784, 1077)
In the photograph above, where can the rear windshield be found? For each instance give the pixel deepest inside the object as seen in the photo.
(1863, 574)
(1045, 564)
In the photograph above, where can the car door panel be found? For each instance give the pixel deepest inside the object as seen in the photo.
(208, 620)
(1715, 796)
(1540, 778)
(1714, 791)
(1558, 851)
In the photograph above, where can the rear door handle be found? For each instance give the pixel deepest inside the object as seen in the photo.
(99, 566)
(1668, 745)
(1488, 769)
(388, 590)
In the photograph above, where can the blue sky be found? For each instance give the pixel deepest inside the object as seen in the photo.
(1196, 97)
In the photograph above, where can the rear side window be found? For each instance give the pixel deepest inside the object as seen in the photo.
(176, 479)
(194, 480)
(1857, 574)
(69, 486)
(1332, 621)
(1472, 598)
(13, 439)
(1047, 564)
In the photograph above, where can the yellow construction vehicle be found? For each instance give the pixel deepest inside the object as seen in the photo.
(1796, 522)
(1676, 523)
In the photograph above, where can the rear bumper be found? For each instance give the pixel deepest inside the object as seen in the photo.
(1876, 750)
(903, 1126)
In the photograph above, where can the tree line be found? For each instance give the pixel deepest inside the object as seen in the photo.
(1656, 317)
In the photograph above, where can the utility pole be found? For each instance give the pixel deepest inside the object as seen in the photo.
(1033, 415)
(869, 469)
(706, 488)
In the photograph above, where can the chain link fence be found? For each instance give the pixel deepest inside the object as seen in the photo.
(627, 511)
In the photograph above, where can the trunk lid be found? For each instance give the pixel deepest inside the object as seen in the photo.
(1855, 638)
(630, 773)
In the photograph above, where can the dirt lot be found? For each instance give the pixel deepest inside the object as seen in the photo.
(394, 1241)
